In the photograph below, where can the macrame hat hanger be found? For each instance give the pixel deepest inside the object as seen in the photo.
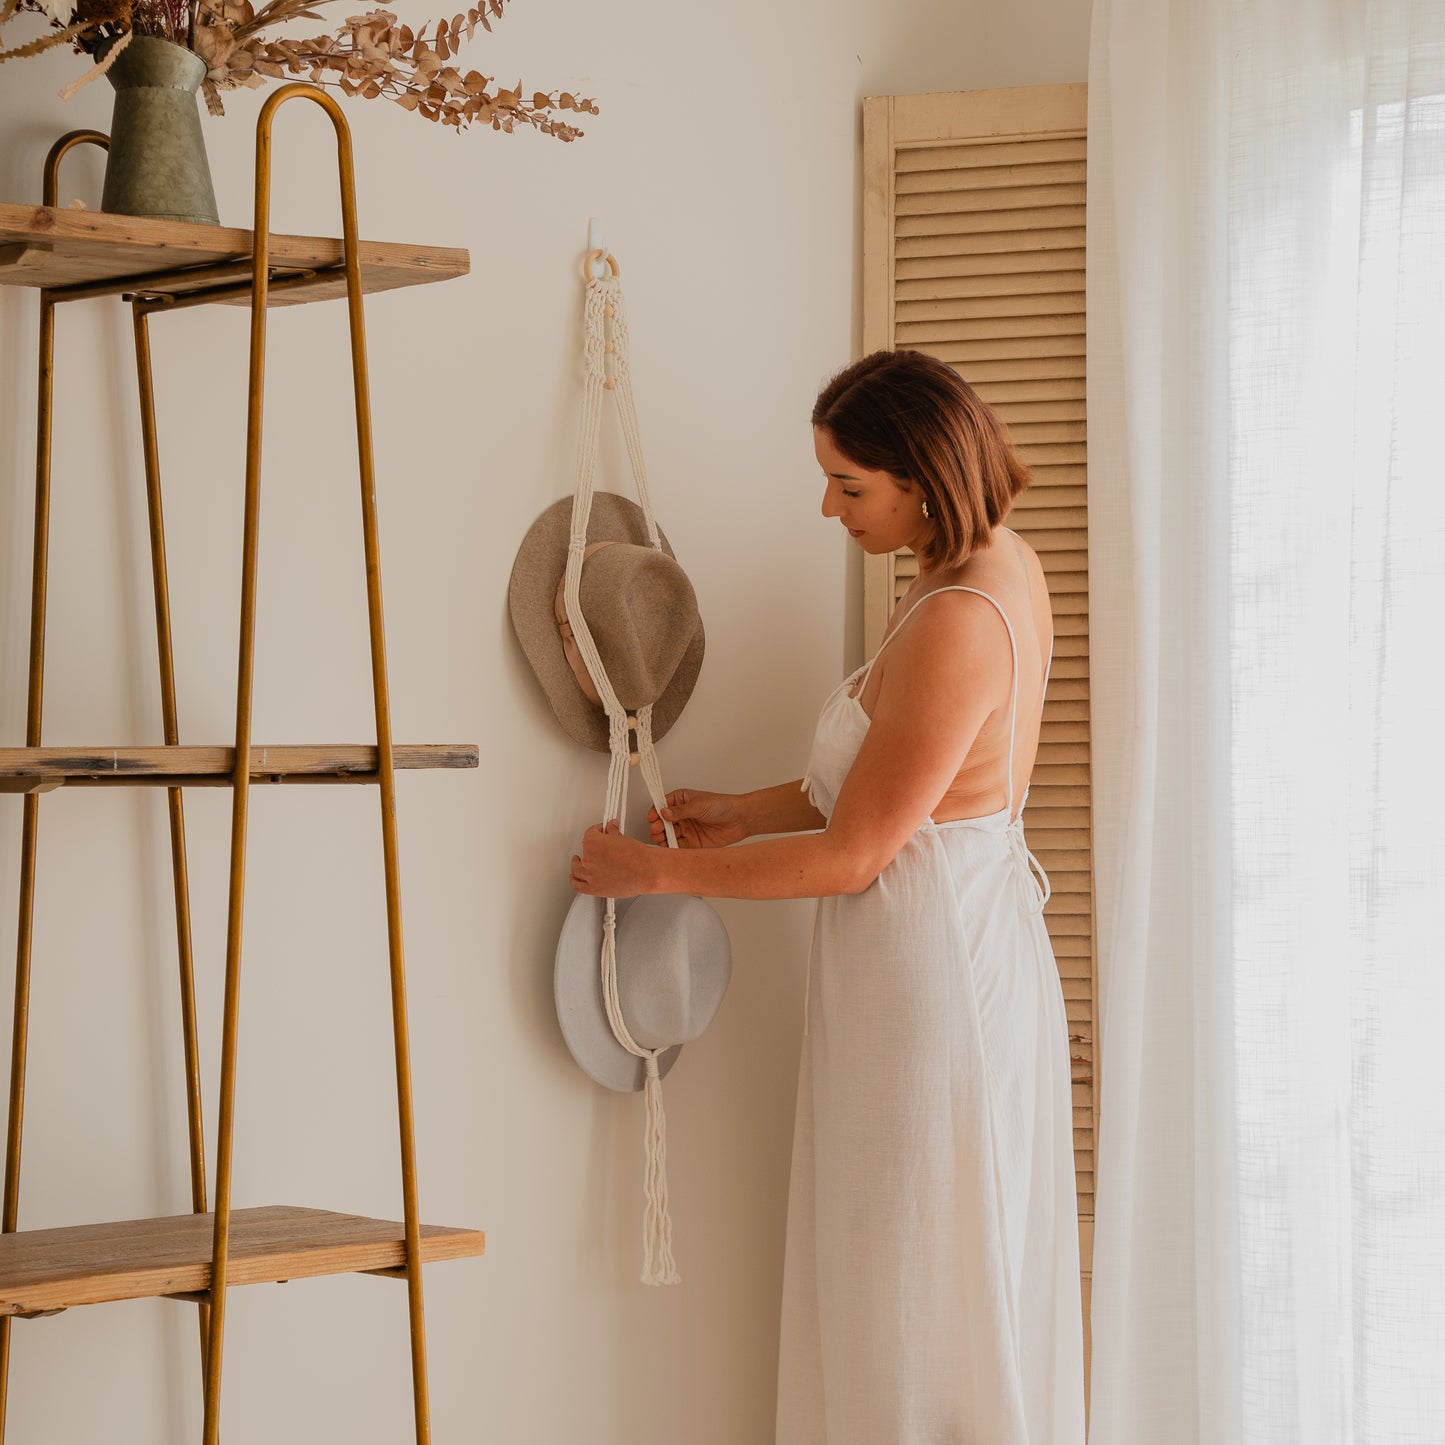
(661, 959)
(558, 539)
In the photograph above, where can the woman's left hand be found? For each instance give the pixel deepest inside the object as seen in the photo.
(612, 865)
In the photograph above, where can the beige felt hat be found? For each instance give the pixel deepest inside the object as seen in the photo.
(674, 961)
(638, 604)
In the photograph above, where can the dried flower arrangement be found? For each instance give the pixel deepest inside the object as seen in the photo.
(370, 55)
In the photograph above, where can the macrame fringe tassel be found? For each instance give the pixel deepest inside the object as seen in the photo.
(658, 1266)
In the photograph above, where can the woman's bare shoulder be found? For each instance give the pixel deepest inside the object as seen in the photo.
(957, 628)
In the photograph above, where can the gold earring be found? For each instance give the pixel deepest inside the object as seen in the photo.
(926, 512)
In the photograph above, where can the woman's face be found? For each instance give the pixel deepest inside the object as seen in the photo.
(881, 514)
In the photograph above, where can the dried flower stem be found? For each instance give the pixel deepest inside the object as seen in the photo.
(45, 42)
(99, 69)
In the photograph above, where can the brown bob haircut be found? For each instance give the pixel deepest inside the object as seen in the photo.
(917, 419)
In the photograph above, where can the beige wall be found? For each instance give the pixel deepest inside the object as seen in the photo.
(725, 165)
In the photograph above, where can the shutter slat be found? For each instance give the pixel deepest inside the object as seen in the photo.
(1047, 457)
(988, 153)
(1051, 431)
(1060, 474)
(1064, 223)
(1063, 728)
(988, 285)
(1048, 543)
(1071, 773)
(984, 178)
(1051, 751)
(978, 260)
(1058, 564)
(1018, 244)
(1027, 369)
(966, 345)
(1048, 512)
(1030, 391)
(1044, 812)
(1044, 413)
(1057, 797)
(995, 308)
(998, 202)
(1065, 925)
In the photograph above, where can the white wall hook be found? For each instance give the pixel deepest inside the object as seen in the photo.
(596, 241)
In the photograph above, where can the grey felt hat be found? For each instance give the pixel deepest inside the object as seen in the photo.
(674, 961)
(639, 606)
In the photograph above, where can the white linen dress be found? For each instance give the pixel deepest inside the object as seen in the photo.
(931, 1290)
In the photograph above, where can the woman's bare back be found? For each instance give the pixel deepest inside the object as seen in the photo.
(1009, 571)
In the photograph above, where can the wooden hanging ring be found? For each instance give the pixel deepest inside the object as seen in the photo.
(599, 256)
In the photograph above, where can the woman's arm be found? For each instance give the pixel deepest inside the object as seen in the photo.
(784, 808)
(714, 820)
(946, 673)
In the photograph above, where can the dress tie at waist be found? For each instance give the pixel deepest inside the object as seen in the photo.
(1033, 881)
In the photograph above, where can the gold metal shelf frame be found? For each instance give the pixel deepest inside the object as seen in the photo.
(158, 267)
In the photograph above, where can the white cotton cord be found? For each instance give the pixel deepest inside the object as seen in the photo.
(600, 294)
(651, 772)
(658, 1265)
(1034, 884)
(627, 405)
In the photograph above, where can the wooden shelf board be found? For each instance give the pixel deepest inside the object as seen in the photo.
(43, 246)
(29, 769)
(54, 1269)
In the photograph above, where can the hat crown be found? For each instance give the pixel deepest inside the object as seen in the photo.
(674, 962)
(673, 967)
(642, 613)
(532, 601)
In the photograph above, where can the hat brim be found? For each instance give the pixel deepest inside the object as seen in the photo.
(531, 595)
(577, 985)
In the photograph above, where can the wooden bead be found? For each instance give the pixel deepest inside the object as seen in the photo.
(609, 384)
(610, 309)
(609, 348)
(633, 759)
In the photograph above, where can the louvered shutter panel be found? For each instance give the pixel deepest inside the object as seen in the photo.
(974, 252)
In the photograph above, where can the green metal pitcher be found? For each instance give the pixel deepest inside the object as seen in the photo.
(157, 162)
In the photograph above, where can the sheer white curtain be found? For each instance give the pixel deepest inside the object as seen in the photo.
(1267, 555)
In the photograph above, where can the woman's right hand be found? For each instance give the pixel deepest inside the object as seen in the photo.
(700, 820)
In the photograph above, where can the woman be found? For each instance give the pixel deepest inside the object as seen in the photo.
(931, 1293)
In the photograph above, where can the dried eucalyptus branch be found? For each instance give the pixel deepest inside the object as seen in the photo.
(371, 55)
(374, 56)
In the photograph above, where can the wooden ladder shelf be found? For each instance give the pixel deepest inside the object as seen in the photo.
(161, 266)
